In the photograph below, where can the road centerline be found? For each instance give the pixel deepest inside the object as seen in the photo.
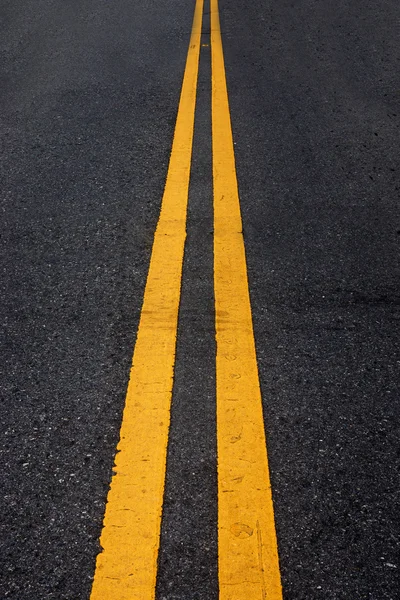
(188, 559)
(127, 566)
(248, 553)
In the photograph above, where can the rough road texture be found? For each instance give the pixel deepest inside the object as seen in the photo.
(89, 94)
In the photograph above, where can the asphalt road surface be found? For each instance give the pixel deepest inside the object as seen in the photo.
(89, 94)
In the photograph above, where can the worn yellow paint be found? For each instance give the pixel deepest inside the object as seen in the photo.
(126, 568)
(248, 554)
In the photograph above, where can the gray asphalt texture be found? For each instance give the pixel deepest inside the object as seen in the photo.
(188, 560)
(88, 100)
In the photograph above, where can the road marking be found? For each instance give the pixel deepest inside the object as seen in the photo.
(126, 569)
(247, 545)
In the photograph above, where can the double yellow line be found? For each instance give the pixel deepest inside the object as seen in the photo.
(126, 569)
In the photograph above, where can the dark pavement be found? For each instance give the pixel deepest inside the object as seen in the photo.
(315, 107)
(88, 100)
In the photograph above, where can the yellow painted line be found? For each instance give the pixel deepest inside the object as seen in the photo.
(247, 545)
(126, 568)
